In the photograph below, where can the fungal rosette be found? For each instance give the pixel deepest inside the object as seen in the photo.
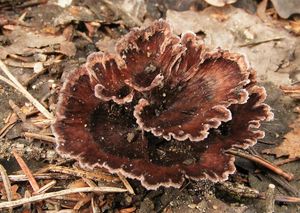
(160, 109)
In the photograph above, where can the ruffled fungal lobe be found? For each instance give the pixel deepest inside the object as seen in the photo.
(160, 109)
(188, 109)
(135, 65)
(106, 72)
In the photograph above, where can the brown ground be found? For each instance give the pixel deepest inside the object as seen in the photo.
(269, 41)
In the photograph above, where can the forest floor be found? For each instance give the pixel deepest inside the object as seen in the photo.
(42, 41)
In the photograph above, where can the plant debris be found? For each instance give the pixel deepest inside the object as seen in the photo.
(290, 147)
(43, 42)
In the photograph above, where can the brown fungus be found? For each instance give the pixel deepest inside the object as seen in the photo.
(160, 109)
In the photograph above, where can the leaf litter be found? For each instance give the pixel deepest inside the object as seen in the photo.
(290, 147)
(40, 41)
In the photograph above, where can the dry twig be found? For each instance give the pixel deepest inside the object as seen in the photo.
(252, 44)
(285, 161)
(26, 171)
(262, 162)
(81, 173)
(45, 176)
(6, 182)
(39, 137)
(20, 88)
(59, 193)
(270, 199)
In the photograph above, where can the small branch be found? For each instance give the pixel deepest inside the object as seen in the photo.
(285, 161)
(5, 80)
(262, 162)
(270, 199)
(39, 137)
(93, 175)
(287, 199)
(59, 193)
(19, 87)
(260, 42)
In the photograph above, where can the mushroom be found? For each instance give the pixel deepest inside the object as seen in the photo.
(160, 109)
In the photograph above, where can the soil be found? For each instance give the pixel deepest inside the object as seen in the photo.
(85, 31)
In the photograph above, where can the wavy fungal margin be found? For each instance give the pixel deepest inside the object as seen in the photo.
(160, 109)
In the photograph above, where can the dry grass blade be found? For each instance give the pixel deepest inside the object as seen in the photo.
(260, 42)
(95, 207)
(59, 193)
(45, 187)
(82, 173)
(45, 176)
(26, 171)
(2, 78)
(19, 87)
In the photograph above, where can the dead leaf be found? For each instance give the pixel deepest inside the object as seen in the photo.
(68, 48)
(131, 11)
(267, 47)
(106, 44)
(286, 8)
(290, 146)
(74, 13)
(15, 194)
(24, 43)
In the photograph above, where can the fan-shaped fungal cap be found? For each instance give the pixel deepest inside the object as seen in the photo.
(160, 109)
